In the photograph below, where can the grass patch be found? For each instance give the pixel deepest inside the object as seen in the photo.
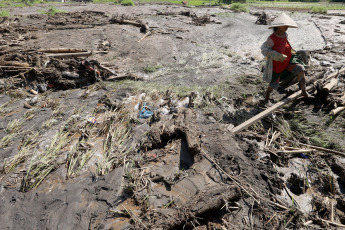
(319, 9)
(77, 159)
(25, 150)
(52, 11)
(4, 13)
(127, 3)
(238, 7)
(317, 136)
(43, 163)
(297, 5)
(116, 143)
(151, 69)
(178, 2)
(11, 130)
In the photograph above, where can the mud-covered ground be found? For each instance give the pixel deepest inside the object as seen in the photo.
(77, 153)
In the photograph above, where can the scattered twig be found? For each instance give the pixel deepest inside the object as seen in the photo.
(333, 223)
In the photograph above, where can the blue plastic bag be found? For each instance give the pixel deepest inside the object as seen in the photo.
(145, 113)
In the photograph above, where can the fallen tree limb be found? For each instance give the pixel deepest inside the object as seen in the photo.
(143, 26)
(131, 76)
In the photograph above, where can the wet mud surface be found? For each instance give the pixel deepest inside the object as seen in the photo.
(78, 151)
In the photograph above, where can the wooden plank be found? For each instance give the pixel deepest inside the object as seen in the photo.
(270, 110)
(267, 112)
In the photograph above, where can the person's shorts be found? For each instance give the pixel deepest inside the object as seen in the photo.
(285, 77)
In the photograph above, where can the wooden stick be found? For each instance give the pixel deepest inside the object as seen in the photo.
(145, 35)
(337, 110)
(14, 63)
(320, 148)
(62, 50)
(67, 55)
(333, 223)
(297, 151)
(332, 211)
(15, 67)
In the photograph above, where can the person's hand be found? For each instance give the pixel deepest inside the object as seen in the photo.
(282, 57)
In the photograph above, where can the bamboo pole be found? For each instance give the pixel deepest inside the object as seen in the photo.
(62, 50)
(67, 55)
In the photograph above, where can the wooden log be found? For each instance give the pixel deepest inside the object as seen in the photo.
(70, 55)
(61, 50)
(267, 112)
(328, 87)
(337, 110)
(143, 26)
(124, 76)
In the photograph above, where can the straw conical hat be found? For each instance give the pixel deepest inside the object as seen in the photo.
(283, 20)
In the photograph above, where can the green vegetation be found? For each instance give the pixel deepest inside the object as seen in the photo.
(42, 163)
(77, 159)
(116, 142)
(4, 13)
(238, 7)
(179, 2)
(127, 3)
(151, 69)
(306, 5)
(12, 130)
(316, 9)
(52, 11)
(25, 149)
(317, 136)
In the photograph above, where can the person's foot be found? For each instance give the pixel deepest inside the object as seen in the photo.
(306, 95)
(265, 104)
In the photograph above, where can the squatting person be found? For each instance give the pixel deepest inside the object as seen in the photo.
(282, 62)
